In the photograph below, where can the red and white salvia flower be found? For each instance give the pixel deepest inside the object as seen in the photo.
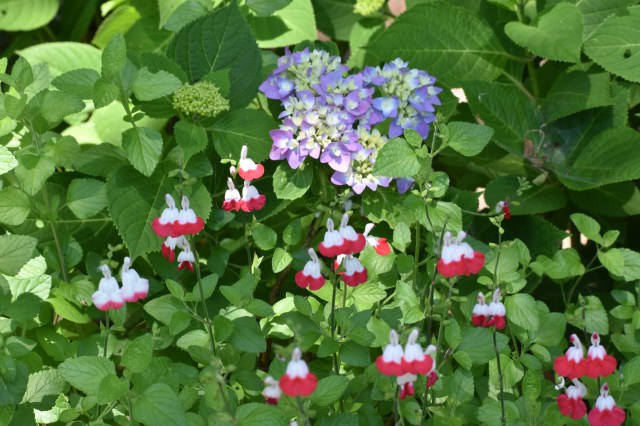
(572, 363)
(598, 363)
(186, 259)
(571, 403)
(503, 207)
(247, 169)
(496, 313)
(356, 241)
(406, 384)
(311, 277)
(458, 258)
(414, 360)
(432, 376)
(187, 223)
(480, 312)
(251, 198)
(163, 225)
(355, 273)
(108, 294)
(380, 245)
(606, 413)
(337, 262)
(390, 362)
(168, 248)
(272, 392)
(333, 244)
(133, 288)
(298, 380)
(232, 199)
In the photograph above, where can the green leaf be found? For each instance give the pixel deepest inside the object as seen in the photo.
(43, 383)
(86, 372)
(613, 261)
(631, 371)
(243, 127)
(184, 13)
(7, 161)
(575, 90)
(33, 171)
(57, 104)
(565, 264)
(522, 311)
(264, 237)
(135, 202)
(15, 252)
(401, 236)
(112, 389)
(143, 147)
(191, 137)
(14, 206)
(329, 390)
(266, 7)
(86, 197)
(247, 336)
(631, 269)
(292, 184)
(281, 259)
(209, 284)
(114, 55)
(32, 279)
(396, 159)
(220, 40)
(615, 46)
(137, 355)
(451, 42)
(594, 314)
(78, 82)
(478, 344)
(595, 12)
(56, 413)
(616, 200)
(555, 34)
(506, 110)
(26, 15)
(159, 406)
(468, 139)
(68, 311)
(531, 385)
(104, 93)
(253, 414)
(538, 199)
(289, 25)
(612, 156)
(587, 226)
(197, 338)
(490, 413)
(63, 56)
(148, 86)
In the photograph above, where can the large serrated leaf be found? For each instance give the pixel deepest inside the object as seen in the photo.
(449, 42)
(290, 25)
(25, 15)
(143, 147)
(15, 251)
(538, 199)
(615, 46)
(506, 110)
(220, 40)
(396, 159)
(63, 56)
(7, 161)
(243, 127)
(158, 405)
(594, 12)
(191, 137)
(290, 184)
(555, 34)
(86, 372)
(615, 200)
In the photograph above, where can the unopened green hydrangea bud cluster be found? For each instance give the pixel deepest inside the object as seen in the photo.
(200, 99)
(367, 7)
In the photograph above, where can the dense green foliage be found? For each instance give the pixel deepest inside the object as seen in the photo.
(106, 107)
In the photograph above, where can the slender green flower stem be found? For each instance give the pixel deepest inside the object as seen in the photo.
(202, 299)
(416, 255)
(106, 336)
(246, 244)
(303, 412)
(503, 417)
(332, 319)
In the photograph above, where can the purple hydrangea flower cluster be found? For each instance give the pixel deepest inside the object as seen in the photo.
(329, 114)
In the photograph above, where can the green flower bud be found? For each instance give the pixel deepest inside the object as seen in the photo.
(201, 99)
(367, 7)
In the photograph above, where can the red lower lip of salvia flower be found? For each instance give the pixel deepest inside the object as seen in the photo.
(355, 273)
(605, 412)
(356, 242)
(134, 288)
(598, 363)
(333, 244)
(571, 364)
(311, 277)
(297, 380)
(251, 199)
(570, 403)
(247, 168)
(414, 360)
(458, 258)
(108, 294)
(390, 362)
